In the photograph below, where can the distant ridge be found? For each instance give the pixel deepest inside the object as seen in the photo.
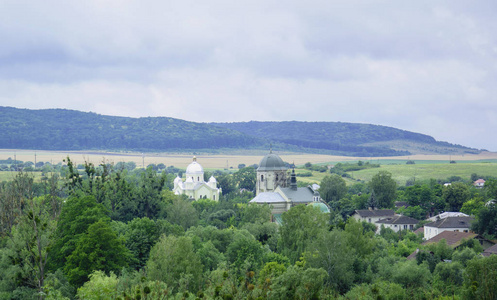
(348, 138)
(62, 129)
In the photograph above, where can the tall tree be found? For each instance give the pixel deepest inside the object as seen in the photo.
(301, 226)
(78, 213)
(245, 178)
(330, 252)
(13, 197)
(333, 188)
(385, 189)
(486, 221)
(29, 243)
(172, 260)
(455, 195)
(98, 249)
(150, 203)
(479, 279)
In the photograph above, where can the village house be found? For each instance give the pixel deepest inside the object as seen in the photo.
(397, 223)
(461, 224)
(372, 215)
(480, 183)
(454, 239)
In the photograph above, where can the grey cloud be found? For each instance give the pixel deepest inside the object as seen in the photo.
(424, 66)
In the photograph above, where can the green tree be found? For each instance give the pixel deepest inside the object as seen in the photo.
(77, 215)
(298, 283)
(121, 197)
(490, 188)
(99, 287)
(150, 202)
(245, 252)
(141, 234)
(330, 253)
(333, 188)
(455, 195)
(13, 197)
(98, 249)
(486, 221)
(245, 178)
(23, 255)
(385, 189)
(301, 226)
(479, 278)
(173, 260)
(210, 257)
(227, 183)
(472, 206)
(181, 212)
(448, 278)
(255, 213)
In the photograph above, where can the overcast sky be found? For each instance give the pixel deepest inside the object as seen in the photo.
(423, 66)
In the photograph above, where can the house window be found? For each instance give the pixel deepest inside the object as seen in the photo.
(405, 226)
(395, 226)
(214, 196)
(411, 227)
(465, 231)
(369, 220)
(198, 178)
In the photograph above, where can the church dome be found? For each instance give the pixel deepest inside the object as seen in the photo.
(194, 167)
(212, 179)
(322, 207)
(272, 162)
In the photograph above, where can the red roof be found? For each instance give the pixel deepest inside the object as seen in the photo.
(453, 238)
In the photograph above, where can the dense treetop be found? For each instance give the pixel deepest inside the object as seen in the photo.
(113, 232)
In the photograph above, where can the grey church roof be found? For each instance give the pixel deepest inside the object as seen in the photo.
(271, 162)
(299, 195)
(268, 197)
(452, 222)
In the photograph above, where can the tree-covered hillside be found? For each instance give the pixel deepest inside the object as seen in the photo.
(345, 138)
(60, 129)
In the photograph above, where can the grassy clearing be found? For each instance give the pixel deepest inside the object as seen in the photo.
(9, 176)
(422, 172)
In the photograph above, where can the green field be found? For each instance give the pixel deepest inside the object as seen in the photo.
(8, 176)
(419, 171)
(422, 172)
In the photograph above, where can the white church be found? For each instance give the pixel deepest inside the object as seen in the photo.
(194, 185)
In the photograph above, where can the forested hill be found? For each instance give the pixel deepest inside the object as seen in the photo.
(61, 129)
(347, 138)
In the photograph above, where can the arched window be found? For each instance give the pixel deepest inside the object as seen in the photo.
(276, 177)
(262, 177)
